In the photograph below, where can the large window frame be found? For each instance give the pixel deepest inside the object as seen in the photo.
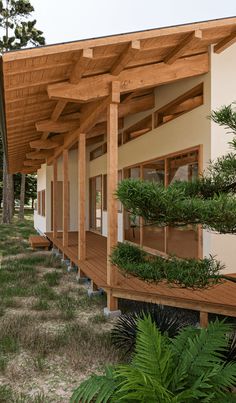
(166, 158)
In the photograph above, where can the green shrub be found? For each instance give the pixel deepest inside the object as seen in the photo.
(187, 368)
(187, 273)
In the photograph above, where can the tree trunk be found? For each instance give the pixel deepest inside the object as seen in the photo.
(22, 198)
(8, 194)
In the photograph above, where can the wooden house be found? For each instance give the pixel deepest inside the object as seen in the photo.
(86, 114)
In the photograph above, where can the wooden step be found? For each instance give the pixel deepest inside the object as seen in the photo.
(38, 241)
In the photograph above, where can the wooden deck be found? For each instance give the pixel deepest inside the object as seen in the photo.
(219, 299)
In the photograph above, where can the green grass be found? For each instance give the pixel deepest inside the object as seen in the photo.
(13, 237)
(41, 305)
(6, 394)
(67, 306)
(53, 278)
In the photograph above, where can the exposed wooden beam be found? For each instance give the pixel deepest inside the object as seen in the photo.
(133, 106)
(60, 106)
(178, 51)
(38, 155)
(65, 198)
(81, 196)
(112, 181)
(31, 163)
(43, 144)
(225, 43)
(59, 126)
(125, 57)
(81, 65)
(30, 170)
(89, 118)
(93, 88)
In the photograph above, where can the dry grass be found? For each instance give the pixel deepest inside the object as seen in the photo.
(52, 335)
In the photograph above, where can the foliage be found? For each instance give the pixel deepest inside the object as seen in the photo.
(124, 332)
(174, 206)
(187, 273)
(187, 368)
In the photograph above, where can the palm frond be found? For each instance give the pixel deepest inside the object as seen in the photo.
(97, 388)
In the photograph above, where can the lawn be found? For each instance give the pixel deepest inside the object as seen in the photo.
(52, 335)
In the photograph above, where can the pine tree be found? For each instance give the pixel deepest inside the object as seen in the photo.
(208, 200)
(17, 30)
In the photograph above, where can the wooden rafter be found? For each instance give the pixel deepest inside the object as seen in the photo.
(58, 110)
(125, 57)
(60, 126)
(89, 118)
(132, 79)
(39, 155)
(31, 163)
(43, 144)
(81, 65)
(225, 43)
(179, 50)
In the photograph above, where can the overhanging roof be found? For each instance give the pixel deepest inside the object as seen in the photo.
(43, 83)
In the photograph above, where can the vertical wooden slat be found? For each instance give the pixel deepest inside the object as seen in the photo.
(112, 181)
(203, 319)
(54, 198)
(81, 196)
(65, 197)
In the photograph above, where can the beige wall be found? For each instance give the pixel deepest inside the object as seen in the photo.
(223, 92)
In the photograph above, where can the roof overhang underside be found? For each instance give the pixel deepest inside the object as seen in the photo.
(50, 91)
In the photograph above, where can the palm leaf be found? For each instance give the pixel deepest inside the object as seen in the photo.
(98, 388)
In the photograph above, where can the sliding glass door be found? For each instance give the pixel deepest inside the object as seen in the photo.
(95, 197)
(179, 241)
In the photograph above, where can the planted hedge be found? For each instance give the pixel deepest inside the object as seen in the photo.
(190, 273)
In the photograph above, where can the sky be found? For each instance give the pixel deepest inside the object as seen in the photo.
(68, 20)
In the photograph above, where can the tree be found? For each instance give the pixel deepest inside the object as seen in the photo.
(16, 31)
(185, 369)
(22, 197)
(208, 200)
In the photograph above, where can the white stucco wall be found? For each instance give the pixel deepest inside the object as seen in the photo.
(40, 221)
(223, 92)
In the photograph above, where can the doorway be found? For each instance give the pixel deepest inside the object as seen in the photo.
(95, 204)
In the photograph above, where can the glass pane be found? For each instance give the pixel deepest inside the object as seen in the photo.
(183, 242)
(132, 224)
(98, 203)
(154, 236)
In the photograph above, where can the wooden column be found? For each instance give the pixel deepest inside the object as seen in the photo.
(82, 197)
(65, 197)
(203, 319)
(112, 182)
(54, 198)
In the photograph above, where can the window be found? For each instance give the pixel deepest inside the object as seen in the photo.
(183, 104)
(182, 242)
(41, 203)
(137, 130)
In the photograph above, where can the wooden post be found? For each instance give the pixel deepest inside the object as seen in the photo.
(81, 197)
(112, 181)
(54, 198)
(203, 319)
(65, 197)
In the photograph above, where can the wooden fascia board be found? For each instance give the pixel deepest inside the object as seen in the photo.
(31, 163)
(93, 88)
(179, 50)
(225, 43)
(116, 39)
